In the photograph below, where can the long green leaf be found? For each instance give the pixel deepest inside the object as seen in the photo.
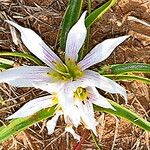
(125, 68)
(6, 61)
(130, 67)
(128, 77)
(97, 13)
(126, 114)
(5, 66)
(18, 125)
(70, 18)
(22, 55)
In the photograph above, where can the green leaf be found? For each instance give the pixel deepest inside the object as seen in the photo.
(125, 114)
(97, 13)
(130, 67)
(18, 125)
(22, 55)
(128, 77)
(5, 66)
(125, 68)
(6, 61)
(71, 16)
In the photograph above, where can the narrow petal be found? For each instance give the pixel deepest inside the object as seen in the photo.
(98, 99)
(66, 100)
(51, 124)
(108, 85)
(70, 130)
(87, 115)
(25, 76)
(37, 46)
(100, 52)
(75, 39)
(32, 107)
(72, 116)
(52, 87)
(73, 85)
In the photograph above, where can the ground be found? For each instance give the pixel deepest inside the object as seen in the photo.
(44, 17)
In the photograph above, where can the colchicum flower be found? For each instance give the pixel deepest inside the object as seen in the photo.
(72, 86)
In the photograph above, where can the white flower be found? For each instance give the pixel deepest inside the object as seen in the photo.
(74, 85)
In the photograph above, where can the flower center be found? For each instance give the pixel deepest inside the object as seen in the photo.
(65, 72)
(81, 94)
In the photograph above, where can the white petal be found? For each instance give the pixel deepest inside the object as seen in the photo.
(36, 45)
(87, 115)
(70, 130)
(25, 76)
(32, 107)
(72, 116)
(100, 52)
(73, 85)
(49, 87)
(51, 124)
(66, 100)
(108, 85)
(98, 99)
(75, 39)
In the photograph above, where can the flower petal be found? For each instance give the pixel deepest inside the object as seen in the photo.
(87, 115)
(66, 100)
(37, 46)
(70, 130)
(73, 85)
(98, 99)
(75, 39)
(32, 107)
(108, 85)
(49, 87)
(100, 52)
(25, 76)
(51, 124)
(72, 116)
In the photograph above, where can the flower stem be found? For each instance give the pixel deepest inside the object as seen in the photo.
(79, 145)
(96, 142)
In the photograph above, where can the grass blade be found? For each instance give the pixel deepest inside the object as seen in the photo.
(125, 114)
(125, 68)
(130, 67)
(22, 55)
(128, 77)
(5, 66)
(6, 61)
(97, 13)
(71, 16)
(18, 125)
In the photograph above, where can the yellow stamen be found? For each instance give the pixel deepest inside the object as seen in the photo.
(66, 72)
(81, 94)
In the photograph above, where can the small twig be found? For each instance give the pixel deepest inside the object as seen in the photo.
(147, 136)
(54, 140)
(132, 18)
(116, 132)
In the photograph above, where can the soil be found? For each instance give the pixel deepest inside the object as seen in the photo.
(44, 17)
